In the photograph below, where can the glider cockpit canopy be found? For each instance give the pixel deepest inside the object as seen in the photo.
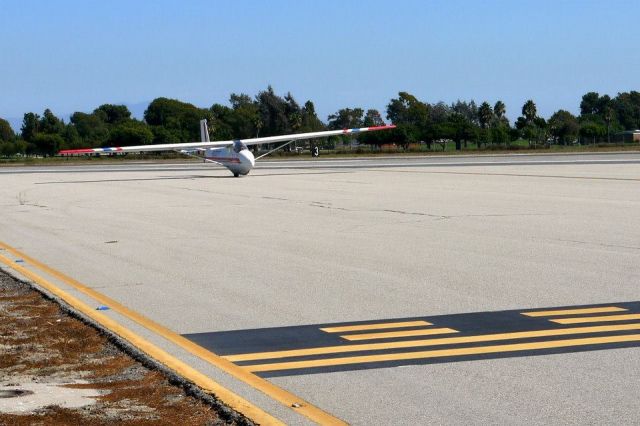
(238, 146)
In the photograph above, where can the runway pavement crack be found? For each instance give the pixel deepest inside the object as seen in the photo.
(330, 207)
(502, 215)
(22, 200)
(599, 244)
(422, 214)
(437, 216)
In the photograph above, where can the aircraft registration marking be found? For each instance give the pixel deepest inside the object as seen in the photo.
(322, 348)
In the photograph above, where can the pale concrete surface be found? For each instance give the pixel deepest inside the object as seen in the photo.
(199, 252)
(44, 394)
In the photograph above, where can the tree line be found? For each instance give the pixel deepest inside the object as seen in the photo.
(466, 123)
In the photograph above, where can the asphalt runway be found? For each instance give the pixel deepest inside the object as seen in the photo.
(473, 289)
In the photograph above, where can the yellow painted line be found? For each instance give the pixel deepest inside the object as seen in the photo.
(392, 334)
(430, 342)
(233, 400)
(286, 398)
(444, 353)
(379, 326)
(574, 311)
(596, 319)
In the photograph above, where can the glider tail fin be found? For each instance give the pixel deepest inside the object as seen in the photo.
(204, 131)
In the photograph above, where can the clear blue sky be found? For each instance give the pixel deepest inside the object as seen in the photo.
(75, 55)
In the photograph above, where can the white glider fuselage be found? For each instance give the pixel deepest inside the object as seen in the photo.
(238, 163)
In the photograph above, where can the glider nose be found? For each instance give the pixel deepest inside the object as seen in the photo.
(247, 161)
(247, 157)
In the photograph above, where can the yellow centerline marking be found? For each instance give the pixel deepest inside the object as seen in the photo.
(596, 319)
(286, 398)
(230, 398)
(444, 353)
(379, 326)
(392, 334)
(429, 342)
(574, 311)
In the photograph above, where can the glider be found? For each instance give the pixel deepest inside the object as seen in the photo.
(234, 154)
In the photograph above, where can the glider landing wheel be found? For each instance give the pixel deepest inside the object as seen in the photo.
(236, 174)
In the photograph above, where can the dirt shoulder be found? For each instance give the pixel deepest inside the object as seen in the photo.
(73, 374)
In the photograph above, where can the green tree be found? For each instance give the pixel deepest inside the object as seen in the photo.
(591, 131)
(529, 111)
(469, 110)
(461, 130)
(92, 130)
(243, 117)
(180, 119)
(225, 125)
(30, 126)
(500, 115)
(14, 147)
(372, 118)
(590, 104)
(626, 106)
(563, 126)
(541, 130)
(346, 118)
(7, 149)
(6, 132)
(132, 132)
(51, 124)
(310, 120)
(412, 118)
(71, 137)
(500, 134)
(436, 127)
(47, 143)
(529, 124)
(407, 109)
(599, 109)
(499, 110)
(293, 113)
(273, 113)
(240, 121)
(113, 114)
(241, 100)
(485, 116)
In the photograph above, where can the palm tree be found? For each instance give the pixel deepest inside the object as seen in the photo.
(529, 111)
(485, 114)
(499, 109)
